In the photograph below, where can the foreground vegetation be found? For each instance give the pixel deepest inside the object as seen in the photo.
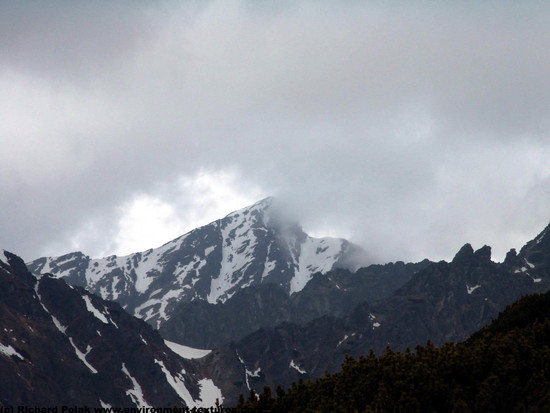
(505, 367)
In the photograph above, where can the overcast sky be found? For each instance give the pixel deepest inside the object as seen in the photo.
(409, 128)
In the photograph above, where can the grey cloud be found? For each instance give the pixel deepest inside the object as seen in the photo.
(77, 40)
(411, 129)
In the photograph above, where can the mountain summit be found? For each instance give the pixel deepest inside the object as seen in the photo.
(252, 246)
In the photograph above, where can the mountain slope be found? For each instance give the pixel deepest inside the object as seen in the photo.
(336, 293)
(442, 302)
(249, 247)
(501, 368)
(60, 345)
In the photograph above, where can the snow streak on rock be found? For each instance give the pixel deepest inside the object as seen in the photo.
(82, 356)
(296, 367)
(178, 384)
(135, 393)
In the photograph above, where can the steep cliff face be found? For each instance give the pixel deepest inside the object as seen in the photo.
(60, 345)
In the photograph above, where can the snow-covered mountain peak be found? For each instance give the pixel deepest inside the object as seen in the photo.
(261, 207)
(251, 246)
(254, 216)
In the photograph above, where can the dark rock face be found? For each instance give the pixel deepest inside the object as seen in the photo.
(448, 301)
(203, 325)
(60, 345)
(275, 356)
(535, 259)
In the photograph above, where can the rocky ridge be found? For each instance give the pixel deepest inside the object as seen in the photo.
(60, 345)
(445, 301)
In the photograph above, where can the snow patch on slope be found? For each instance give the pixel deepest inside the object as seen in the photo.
(209, 394)
(92, 309)
(182, 271)
(9, 351)
(316, 255)
(3, 260)
(151, 304)
(145, 266)
(185, 351)
(238, 242)
(296, 367)
(255, 373)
